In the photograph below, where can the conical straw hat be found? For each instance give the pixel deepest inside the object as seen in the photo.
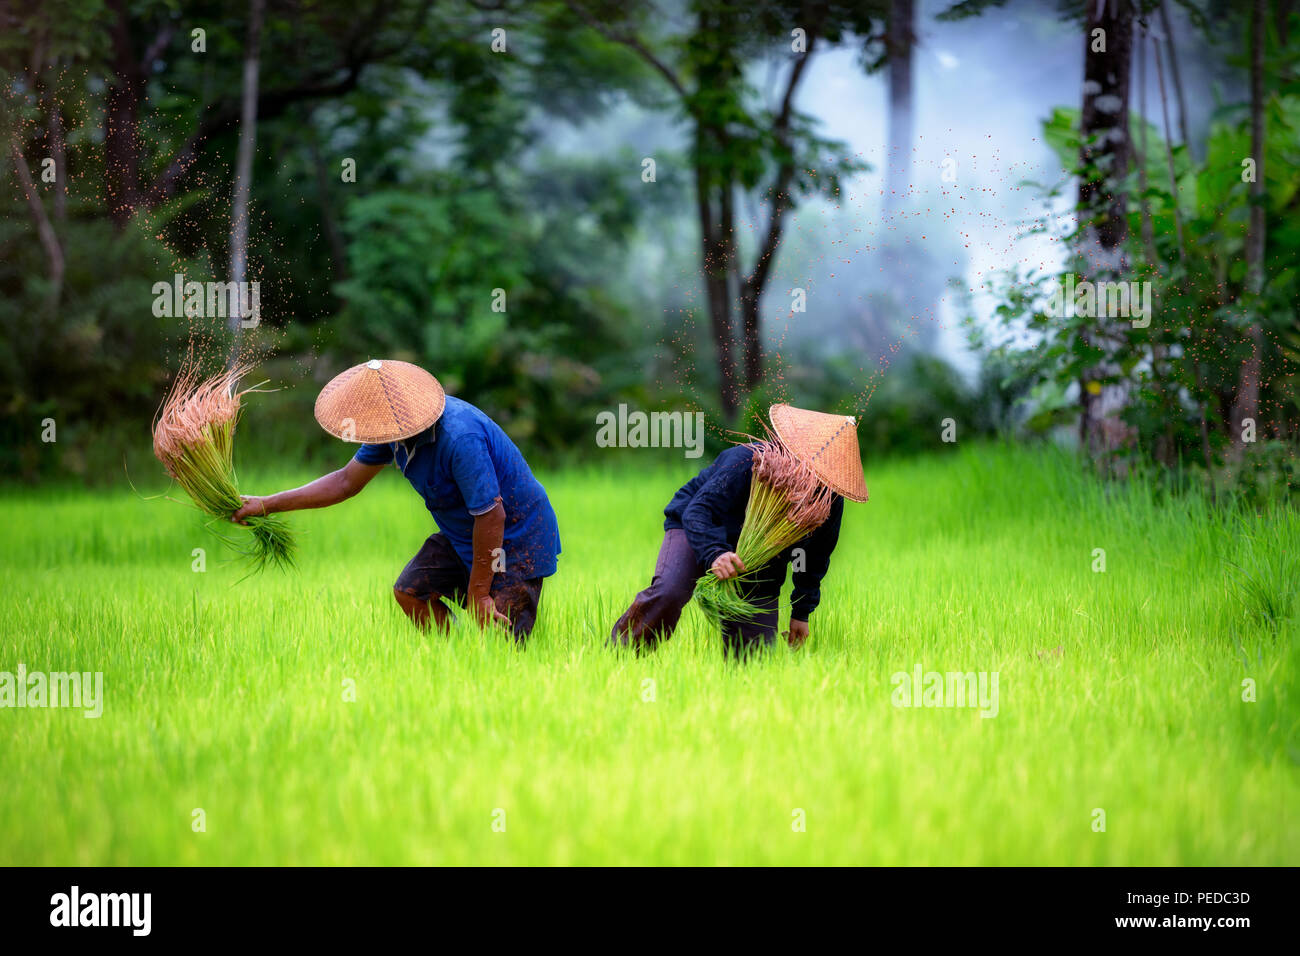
(380, 401)
(827, 443)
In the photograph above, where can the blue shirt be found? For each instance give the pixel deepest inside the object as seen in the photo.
(460, 467)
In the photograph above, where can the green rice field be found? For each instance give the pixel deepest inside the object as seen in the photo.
(1147, 713)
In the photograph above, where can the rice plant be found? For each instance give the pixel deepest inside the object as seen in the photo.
(786, 503)
(194, 438)
(1265, 571)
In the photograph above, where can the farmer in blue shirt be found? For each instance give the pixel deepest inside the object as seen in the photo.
(497, 536)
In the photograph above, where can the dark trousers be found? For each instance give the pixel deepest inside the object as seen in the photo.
(655, 611)
(437, 572)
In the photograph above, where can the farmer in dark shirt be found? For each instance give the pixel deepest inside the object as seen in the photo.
(497, 538)
(702, 524)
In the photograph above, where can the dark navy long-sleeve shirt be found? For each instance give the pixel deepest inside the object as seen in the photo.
(710, 508)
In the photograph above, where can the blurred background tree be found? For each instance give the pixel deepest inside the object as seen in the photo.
(1213, 374)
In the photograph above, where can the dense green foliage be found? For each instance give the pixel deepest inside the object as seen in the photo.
(407, 200)
(410, 199)
(1179, 368)
(1190, 354)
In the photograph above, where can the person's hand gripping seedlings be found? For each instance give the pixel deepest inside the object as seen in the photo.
(726, 566)
(797, 635)
(254, 506)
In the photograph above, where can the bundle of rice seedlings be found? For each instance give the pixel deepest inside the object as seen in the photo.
(787, 501)
(193, 436)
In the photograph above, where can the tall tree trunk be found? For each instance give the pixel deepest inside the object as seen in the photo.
(726, 240)
(1169, 156)
(1104, 154)
(44, 229)
(714, 188)
(126, 91)
(1141, 153)
(1163, 446)
(122, 122)
(780, 199)
(899, 40)
(244, 171)
(58, 140)
(1247, 400)
(898, 284)
(1175, 77)
(711, 49)
(714, 262)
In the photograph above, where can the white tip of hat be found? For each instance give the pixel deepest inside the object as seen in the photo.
(374, 363)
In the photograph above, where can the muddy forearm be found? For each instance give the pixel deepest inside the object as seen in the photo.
(489, 533)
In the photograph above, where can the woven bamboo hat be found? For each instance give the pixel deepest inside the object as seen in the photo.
(380, 401)
(827, 443)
